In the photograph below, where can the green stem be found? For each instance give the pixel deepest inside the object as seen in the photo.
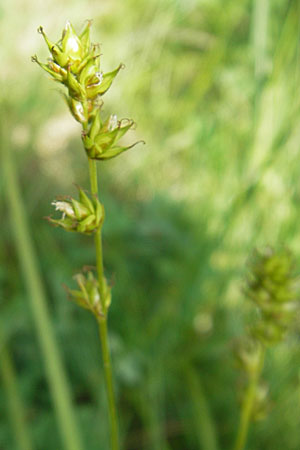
(205, 426)
(14, 402)
(109, 383)
(36, 295)
(102, 322)
(260, 36)
(247, 407)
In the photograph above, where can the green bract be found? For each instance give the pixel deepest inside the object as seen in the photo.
(84, 216)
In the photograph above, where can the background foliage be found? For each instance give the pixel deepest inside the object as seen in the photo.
(213, 88)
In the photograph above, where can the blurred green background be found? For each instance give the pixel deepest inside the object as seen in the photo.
(214, 89)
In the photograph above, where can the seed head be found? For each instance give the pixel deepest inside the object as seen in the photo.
(272, 286)
(75, 63)
(84, 216)
(88, 294)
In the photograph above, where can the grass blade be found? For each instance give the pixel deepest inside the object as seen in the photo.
(204, 426)
(14, 402)
(37, 299)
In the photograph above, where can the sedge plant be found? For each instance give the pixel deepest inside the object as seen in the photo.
(272, 287)
(75, 63)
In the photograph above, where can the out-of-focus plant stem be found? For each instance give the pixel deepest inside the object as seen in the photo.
(248, 403)
(102, 321)
(14, 402)
(53, 363)
(206, 432)
(260, 36)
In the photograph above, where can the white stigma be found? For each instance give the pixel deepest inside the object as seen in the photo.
(99, 75)
(113, 122)
(64, 207)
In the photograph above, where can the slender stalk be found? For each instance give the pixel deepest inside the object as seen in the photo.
(205, 426)
(102, 322)
(55, 372)
(247, 407)
(14, 402)
(260, 36)
(109, 384)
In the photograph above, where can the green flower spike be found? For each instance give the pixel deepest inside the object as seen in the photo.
(88, 294)
(84, 216)
(75, 62)
(102, 140)
(271, 285)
